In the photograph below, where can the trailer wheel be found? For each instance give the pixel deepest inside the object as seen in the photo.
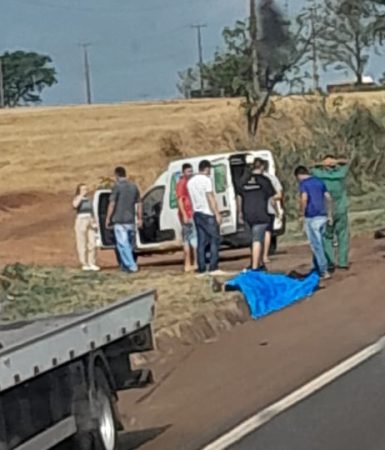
(103, 435)
(106, 435)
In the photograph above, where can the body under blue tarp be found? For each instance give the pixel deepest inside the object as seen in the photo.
(266, 293)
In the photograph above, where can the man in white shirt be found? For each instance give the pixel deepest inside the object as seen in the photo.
(207, 217)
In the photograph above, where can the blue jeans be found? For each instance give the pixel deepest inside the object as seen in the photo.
(125, 242)
(208, 235)
(315, 229)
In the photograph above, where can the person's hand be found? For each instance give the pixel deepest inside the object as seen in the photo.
(330, 221)
(186, 220)
(139, 224)
(108, 225)
(218, 218)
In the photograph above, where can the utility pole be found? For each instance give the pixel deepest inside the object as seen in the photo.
(313, 19)
(87, 72)
(254, 48)
(2, 102)
(200, 53)
(287, 8)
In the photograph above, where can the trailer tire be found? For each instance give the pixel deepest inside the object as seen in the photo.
(103, 409)
(103, 435)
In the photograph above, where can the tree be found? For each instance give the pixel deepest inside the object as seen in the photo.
(188, 81)
(253, 64)
(282, 49)
(349, 35)
(25, 76)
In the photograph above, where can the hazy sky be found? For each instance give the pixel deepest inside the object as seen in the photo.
(137, 45)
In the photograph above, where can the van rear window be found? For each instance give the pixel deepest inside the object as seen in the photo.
(173, 198)
(220, 178)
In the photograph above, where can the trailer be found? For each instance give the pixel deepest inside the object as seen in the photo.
(59, 376)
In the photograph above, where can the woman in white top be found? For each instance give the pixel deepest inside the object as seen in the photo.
(85, 229)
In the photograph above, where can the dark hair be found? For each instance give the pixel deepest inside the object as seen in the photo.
(301, 170)
(186, 166)
(78, 187)
(259, 163)
(203, 165)
(328, 156)
(120, 172)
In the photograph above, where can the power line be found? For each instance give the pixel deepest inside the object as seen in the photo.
(199, 28)
(87, 72)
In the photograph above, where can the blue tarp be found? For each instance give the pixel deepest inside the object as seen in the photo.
(266, 293)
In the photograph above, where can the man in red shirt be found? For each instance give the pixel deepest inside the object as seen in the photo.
(189, 235)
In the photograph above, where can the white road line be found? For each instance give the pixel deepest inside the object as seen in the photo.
(295, 397)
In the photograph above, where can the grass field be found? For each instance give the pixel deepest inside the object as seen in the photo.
(50, 150)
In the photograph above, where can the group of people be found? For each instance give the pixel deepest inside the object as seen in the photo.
(124, 216)
(258, 196)
(323, 212)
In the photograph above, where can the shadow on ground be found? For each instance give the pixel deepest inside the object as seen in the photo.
(135, 439)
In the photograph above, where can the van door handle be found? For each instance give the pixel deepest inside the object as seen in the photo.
(224, 202)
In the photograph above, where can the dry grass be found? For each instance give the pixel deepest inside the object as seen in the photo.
(52, 149)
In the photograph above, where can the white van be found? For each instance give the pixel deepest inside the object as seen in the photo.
(161, 227)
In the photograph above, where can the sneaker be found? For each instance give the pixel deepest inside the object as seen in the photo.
(200, 275)
(94, 268)
(326, 276)
(86, 269)
(218, 273)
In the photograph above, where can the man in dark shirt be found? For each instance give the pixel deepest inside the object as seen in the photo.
(124, 214)
(256, 192)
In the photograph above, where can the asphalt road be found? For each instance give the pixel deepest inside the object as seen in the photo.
(348, 414)
(204, 390)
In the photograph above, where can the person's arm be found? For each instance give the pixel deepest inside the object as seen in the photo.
(214, 207)
(110, 211)
(77, 200)
(303, 201)
(212, 201)
(329, 207)
(139, 210)
(111, 207)
(181, 198)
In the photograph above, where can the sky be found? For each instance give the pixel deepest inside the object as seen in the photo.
(137, 46)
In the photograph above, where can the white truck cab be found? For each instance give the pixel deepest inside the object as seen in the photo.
(161, 226)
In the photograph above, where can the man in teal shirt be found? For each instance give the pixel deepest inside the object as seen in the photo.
(333, 172)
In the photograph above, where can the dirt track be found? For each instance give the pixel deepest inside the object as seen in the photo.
(204, 390)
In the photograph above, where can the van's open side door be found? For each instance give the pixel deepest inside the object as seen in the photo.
(225, 195)
(105, 238)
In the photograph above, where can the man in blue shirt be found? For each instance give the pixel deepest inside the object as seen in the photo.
(315, 209)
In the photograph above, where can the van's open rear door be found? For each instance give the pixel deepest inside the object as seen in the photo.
(225, 195)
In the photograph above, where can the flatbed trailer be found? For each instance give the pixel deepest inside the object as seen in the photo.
(59, 376)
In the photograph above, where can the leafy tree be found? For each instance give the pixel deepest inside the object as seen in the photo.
(25, 76)
(349, 35)
(281, 51)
